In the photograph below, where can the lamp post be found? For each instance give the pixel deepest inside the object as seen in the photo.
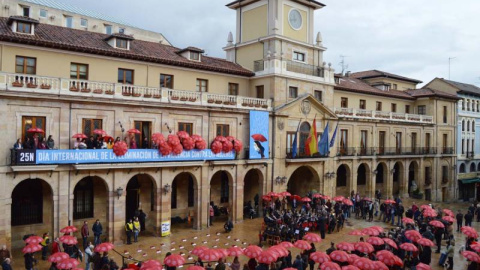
(119, 192)
(166, 189)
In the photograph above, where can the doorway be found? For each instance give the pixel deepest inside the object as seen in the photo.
(133, 198)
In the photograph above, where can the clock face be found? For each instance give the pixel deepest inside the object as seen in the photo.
(295, 19)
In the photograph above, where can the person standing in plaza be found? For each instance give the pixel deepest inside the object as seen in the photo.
(136, 229)
(88, 256)
(56, 247)
(400, 211)
(468, 218)
(129, 231)
(85, 234)
(97, 230)
(459, 218)
(29, 260)
(4, 254)
(142, 217)
(212, 213)
(44, 244)
(6, 264)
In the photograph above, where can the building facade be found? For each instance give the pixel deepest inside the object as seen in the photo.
(67, 81)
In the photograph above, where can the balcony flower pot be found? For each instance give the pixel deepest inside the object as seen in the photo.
(264, 106)
(157, 96)
(210, 101)
(257, 105)
(31, 85)
(183, 99)
(109, 92)
(244, 104)
(17, 84)
(85, 90)
(147, 95)
(233, 103)
(74, 89)
(174, 98)
(98, 91)
(192, 99)
(251, 105)
(136, 94)
(45, 86)
(226, 102)
(127, 94)
(218, 102)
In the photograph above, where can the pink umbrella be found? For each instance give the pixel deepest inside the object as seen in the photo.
(448, 212)
(68, 263)
(345, 246)
(339, 198)
(267, 257)
(34, 239)
(234, 251)
(174, 260)
(279, 251)
(475, 247)
(31, 248)
(407, 220)
(306, 199)
(430, 213)
(68, 240)
(348, 202)
(316, 195)
(222, 252)
(350, 267)
(469, 231)
(58, 257)
(330, 266)
(285, 194)
(449, 219)
(195, 267)
(378, 228)
(211, 255)
(79, 136)
(379, 265)
(286, 244)
(437, 224)
(134, 131)
(356, 233)
(412, 235)
(375, 241)
(339, 256)
(100, 132)
(352, 258)
(390, 242)
(319, 257)
(69, 229)
(364, 247)
(199, 250)
(471, 256)
(364, 264)
(386, 257)
(301, 244)
(252, 251)
(425, 242)
(370, 232)
(259, 137)
(422, 266)
(408, 247)
(103, 247)
(311, 237)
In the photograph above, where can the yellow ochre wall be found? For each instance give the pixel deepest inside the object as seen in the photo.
(248, 54)
(288, 31)
(254, 23)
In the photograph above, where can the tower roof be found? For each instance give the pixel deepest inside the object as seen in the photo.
(310, 3)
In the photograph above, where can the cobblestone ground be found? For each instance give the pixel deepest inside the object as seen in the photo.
(244, 233)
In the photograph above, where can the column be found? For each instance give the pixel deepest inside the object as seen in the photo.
(118, 217)
(389, 183)
(352, 183)
(238, 202)
(404, 181)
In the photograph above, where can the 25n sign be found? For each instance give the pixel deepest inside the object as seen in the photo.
(25, 156)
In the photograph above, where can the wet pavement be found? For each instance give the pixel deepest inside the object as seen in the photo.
(183, 240)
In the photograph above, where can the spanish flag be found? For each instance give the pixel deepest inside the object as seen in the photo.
(311, 144)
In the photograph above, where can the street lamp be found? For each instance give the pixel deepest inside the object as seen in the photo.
(119, 192)
(166, 189)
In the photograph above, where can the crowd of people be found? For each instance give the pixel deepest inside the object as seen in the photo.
(35, 142)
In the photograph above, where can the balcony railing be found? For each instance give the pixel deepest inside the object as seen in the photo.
(297, 69)
(365, 151)
(394, 151)
(346, 151)
(470, 155)
(305, 69)
(83, 88)
(447, 150)
(379, 115)
(301, 154)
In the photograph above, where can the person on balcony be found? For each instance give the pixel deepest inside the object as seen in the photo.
(42, 144)
(91, 143)
(27, 144)
(50, 142)
(18, 145)
(99, 143)
(83, 144)
(133, 143)
(110, 143)
(145, 143)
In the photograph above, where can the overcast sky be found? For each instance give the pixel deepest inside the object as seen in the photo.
(407, 37)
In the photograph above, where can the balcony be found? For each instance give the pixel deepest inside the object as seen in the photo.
(295, 69)
(22, 83)
(365, 151)
(346, 151)
(301, 154)
(405, 151)
(382, 116)
(447, 150)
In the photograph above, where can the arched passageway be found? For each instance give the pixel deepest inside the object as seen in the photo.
(252, 190)
(183, 199)
(304, 180)
(221, 194)
(381, 178)
(413, 177)
(397, 178)
(343, 179)
(141, 195)
(363, 179)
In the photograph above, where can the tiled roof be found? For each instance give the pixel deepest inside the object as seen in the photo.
(428, 92)
(358, 86)
(69, 39)
(22, 19)
(464, 87)
(193, 49)
(120, 35)
(377, 73)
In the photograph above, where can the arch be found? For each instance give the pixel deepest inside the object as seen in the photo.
(90, 201)
(141, 195)
(413, 176)
(221, 191)
(472, 167)
(397, 177)
(363, 178)
(478, 167)
(468, 125)
(381, 177)
(32, 209)
(252, 189)
(303, 180)
(183, 197)
(463, 125)
(304, 133)
(343, 180)
(462, 168)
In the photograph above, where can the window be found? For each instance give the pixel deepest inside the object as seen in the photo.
(363, 141)
(468, 147)
(260, 91)
(407, 108)
(427, 142)
(83, 199)
(414, 142)
(344, 102)
(27, 203)
(463, 146)
(84, 22)
(462, 168)
(445, 143)
(379, 106)
(468, 125)
(173, 201)
(121, 43)
(394, 86)
(145, 128)
(445, 174)
(43, 13)
(473, 126)
(223, 130)
(233, 89)
(23, 27)
(292, 92)
(125, 76)
(78, 71)
(363, 104)
(26, 11)
(68, 21)
(444, 114)
(108, 29)
(290, 138)
(202, 85)
(194, 56)
(89, 125)
(30, 122)
(394, 107)
(121, 30)
(428, 176)
(381, 142)
(343, 141)
(297, 56)
(166, 81)
(187, 127)
(398, 142)
(463, 125)
(318, 95)
(422, 110)
(190, 191)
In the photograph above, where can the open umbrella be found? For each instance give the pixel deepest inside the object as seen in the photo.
(386, 257)
(267, 257)
(319, 257)
(471, 256)
(330, 266)
(151, 263)
(339, 256)
(339, 198)
(252, 251)
(364, 247)
(35, 130)
(195, 267)
(389, 201)
(379, 265)
(79, 136)
(350, 267)
(222, 252)
(407, 220)
(266, 198)
(285, 194)
(409, 247)
(469, 231)
(425, 206)
(259, 137)
(348, 202)
(31, 248)
(449, 219)
(370, 232)
(413, 235)
(378, 228)
(286, 244)
(199, 250)
(280, 250)
(301, 244)
(352, 258)
(212, 255)
(312, 237)
(364, 264)
(376, 241)
(58, 257)
(306, 199)
(68, 240)
(448, 212)
(103, 247)
(437, 224)
(34, 239)
(134, 131)
(296, 197)
(272, 194)
(425, 242)
(356, 233)
(422, 266)
(68, 263)
(430, 213)
(316, 195)
(345, 246)
(475, 247)
(100, 132)
(174, 260)
(234, 251)
(390, 242)
(68, 229)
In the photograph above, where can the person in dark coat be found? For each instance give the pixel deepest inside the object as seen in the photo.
(97, 230)
(141, 217)
(426, 255)
(321, 225)
(459, 218)
(6, 264)
(468, 219)
(298, 263)
(438, 238)
(29, 261)
(91, 143)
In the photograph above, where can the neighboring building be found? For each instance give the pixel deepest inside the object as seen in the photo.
(386, 81)
(468, 123)
(68, 81)
(57, 12)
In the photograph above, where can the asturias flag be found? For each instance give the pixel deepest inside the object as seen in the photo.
(323, 143)
(311, 145)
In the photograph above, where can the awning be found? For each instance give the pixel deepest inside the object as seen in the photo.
(470, 181)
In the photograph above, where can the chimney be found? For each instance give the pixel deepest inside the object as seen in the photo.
(347, 74)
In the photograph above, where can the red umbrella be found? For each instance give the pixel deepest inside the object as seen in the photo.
(398, 261)
(326, 197)
(134, 131)
(151, 263)
(234, 251)
(430, 213)
(306, 199)
(364, 264)
(408, 247)
(375, 241)
(316, 195)
(69, 229)
(103, 247)
(252, 251)
(272, 194)
(386, 257)
(35, 130)
(366, 199)
(282, 251)
(348, 202)
(68, 263)
(471, 256)
(407, 220)
(350, 267)
(312, 237)
(448, 212)
(364, 247)
(58, 257)
(296, 197)
(345, 246)
(267, 257)
(449, 219)
(195, 267)
(370, 232)
(389, 201)
(378, 228)
(352, 258)
(422, 266)
(425, 206)
(330, 266)
(469, 231)
(437, 224)
(222, 252)
(266, 198)
(339, 256)
(99, 132)
(413, 235)
(425, 242)
(199, 250)
(319, 257)
(285, 194)
(34, 239)
(79, 135)
(68, 240)
(339, 198)
(212, 255)
(174, 260)
(390, 242)
(356, 233)
(286, 244)
(379, 265)
(301, 244)
(277, 252)
(259, 137)
(31, 248)
(475, 247)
